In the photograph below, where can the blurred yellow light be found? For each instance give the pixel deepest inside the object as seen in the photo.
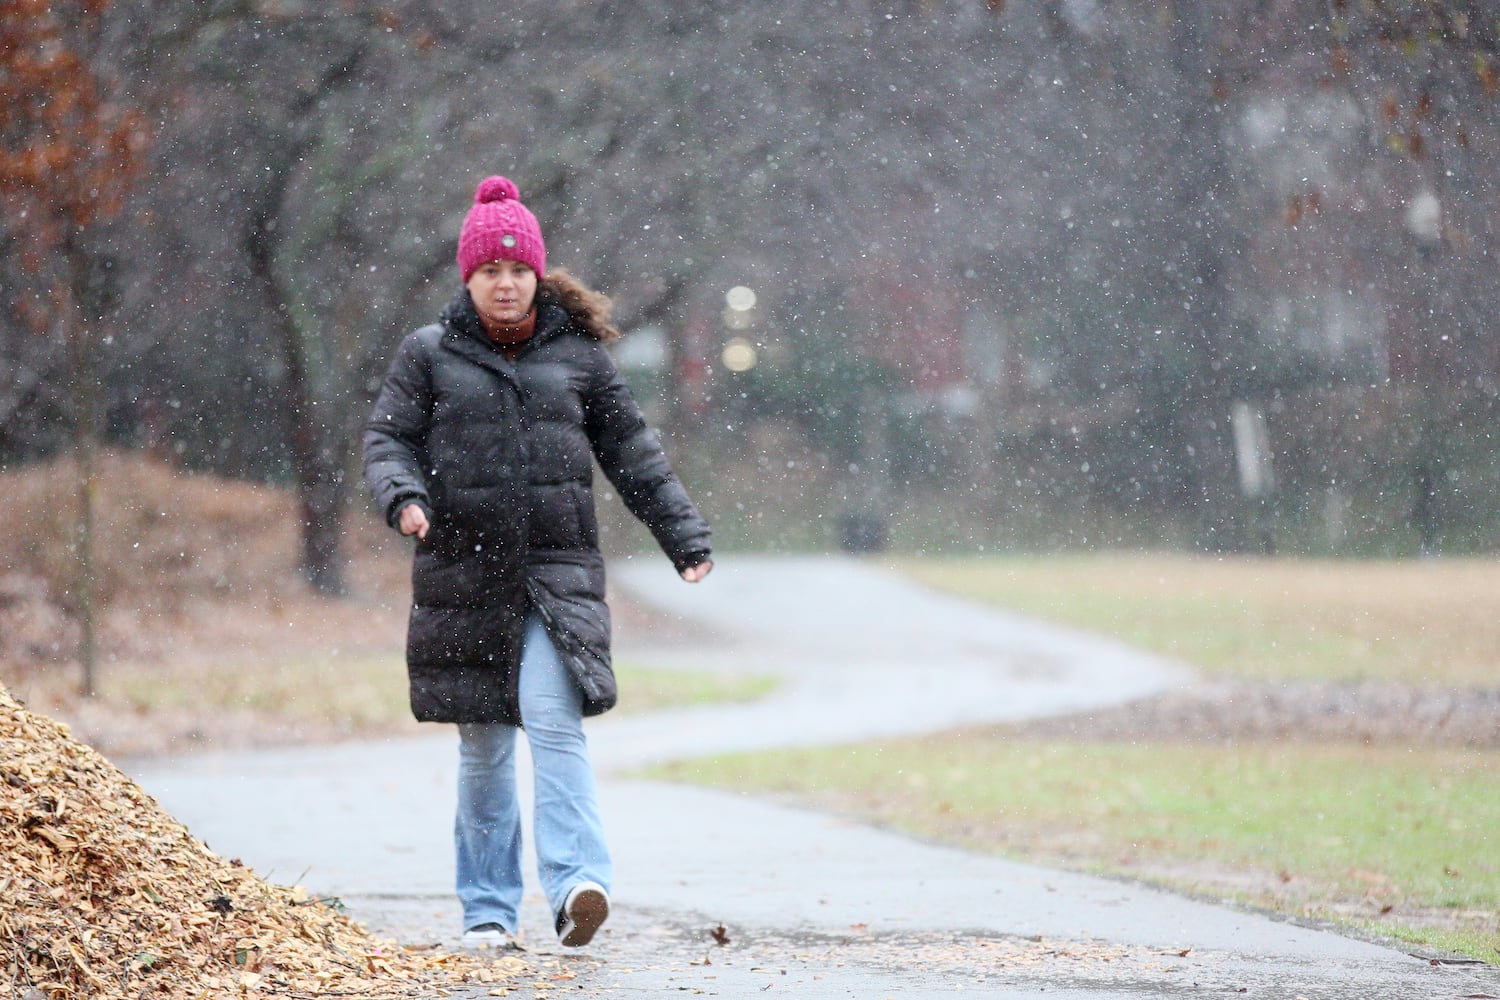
(740, 299)
(740, 355)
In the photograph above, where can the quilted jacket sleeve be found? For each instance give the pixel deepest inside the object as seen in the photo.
(632, 458)
(395, 441)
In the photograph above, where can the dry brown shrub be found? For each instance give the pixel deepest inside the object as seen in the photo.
(200, 604)
(161, 535)
(161, 539)
(166, 542)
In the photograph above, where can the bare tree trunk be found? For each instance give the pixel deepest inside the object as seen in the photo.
(1203, 273)
(318, 475)
(318, 470)
(91, 297)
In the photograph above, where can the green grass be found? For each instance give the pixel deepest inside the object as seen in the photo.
(367, 691)
(361, 691)
(1394, 840)
(1391, 839)
(647, 689)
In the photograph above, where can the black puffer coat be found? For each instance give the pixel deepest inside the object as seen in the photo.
(499, 454)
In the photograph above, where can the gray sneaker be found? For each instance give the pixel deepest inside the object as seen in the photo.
(584, 911)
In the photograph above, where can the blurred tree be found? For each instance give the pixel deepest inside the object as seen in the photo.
(72, 145)
(1283, 238)
(299, 174)
(1154, 208)
(1201, 260)
(1434, 115)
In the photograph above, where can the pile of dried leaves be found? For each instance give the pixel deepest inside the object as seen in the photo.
(104, 895)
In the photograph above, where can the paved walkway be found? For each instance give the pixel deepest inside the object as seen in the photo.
(812, 905)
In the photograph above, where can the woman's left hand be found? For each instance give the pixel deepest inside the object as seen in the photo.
(695, 573)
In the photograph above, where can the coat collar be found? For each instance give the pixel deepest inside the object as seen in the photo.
(464, 335)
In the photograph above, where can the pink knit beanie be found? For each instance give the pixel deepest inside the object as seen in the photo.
(499, 227)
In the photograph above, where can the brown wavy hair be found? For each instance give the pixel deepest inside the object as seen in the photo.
(588, 308)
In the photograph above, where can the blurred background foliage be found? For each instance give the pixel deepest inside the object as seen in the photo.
(1027, 275)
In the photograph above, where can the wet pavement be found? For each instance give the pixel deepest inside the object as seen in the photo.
(800, 902)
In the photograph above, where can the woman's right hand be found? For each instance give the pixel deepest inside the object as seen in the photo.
(413, 520)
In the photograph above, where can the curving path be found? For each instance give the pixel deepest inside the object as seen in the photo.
(812, 905)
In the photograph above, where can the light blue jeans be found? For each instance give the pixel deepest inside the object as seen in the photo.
(569, 838)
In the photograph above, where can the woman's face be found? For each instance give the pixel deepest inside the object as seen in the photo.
(502, 291)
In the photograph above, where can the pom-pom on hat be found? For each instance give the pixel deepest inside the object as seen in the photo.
(499, 227)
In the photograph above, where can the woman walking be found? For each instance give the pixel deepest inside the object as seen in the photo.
(481, 445)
